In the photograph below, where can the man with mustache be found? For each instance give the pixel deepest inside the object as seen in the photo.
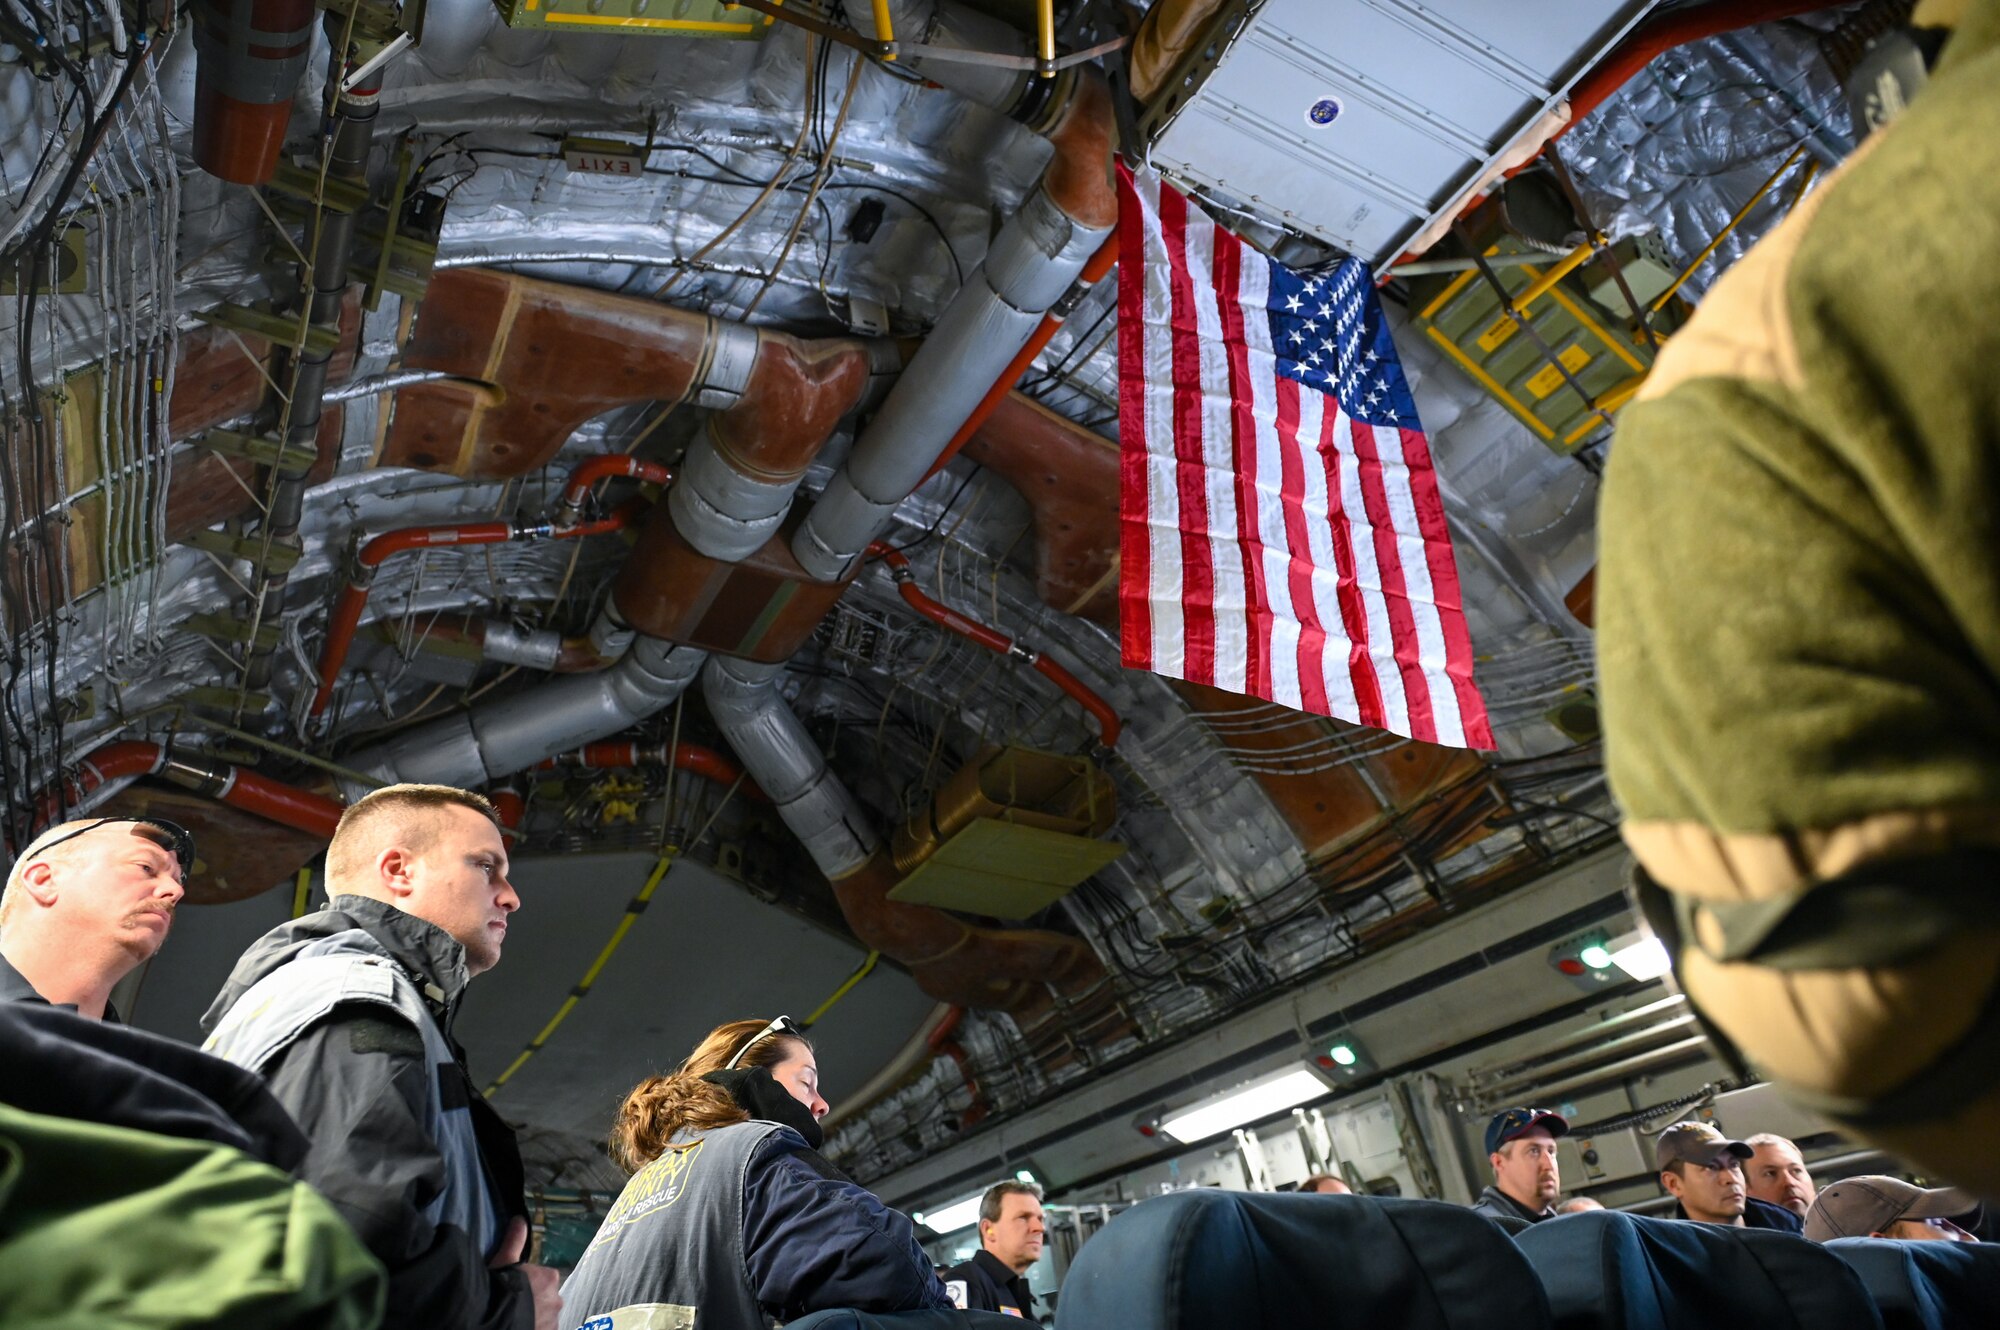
(348, 1014)
(87, 903)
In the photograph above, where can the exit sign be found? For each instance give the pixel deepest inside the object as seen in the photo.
(603, 156)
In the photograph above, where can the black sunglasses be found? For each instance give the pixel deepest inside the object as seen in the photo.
(176, 839)
(783, 1025)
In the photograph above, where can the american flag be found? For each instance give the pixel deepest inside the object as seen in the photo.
(1281, 532)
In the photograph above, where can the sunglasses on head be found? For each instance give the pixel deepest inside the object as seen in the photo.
(176, 839)
(783, 1025)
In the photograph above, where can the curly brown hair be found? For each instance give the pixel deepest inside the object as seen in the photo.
(659, 1107)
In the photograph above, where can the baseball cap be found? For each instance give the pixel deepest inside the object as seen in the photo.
(1695, 1143)
(1513, 1123)
(1856, 1207)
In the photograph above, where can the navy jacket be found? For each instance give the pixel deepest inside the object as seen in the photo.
(812, 1241)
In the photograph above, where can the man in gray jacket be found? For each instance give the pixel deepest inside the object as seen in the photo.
(348, 1014)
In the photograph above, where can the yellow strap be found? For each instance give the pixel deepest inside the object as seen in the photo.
(611, 945)
(859, 974)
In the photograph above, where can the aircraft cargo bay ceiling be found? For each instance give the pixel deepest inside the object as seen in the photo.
(630, 410)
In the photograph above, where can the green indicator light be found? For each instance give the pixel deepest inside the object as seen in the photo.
(1344, 1056)
(1595, 956)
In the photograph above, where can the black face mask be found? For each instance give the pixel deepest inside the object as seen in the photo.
(757, 1093)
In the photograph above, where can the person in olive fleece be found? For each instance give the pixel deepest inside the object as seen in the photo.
(348, 1013)
(1799, 630)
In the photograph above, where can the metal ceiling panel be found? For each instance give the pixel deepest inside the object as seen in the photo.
(1358, 121)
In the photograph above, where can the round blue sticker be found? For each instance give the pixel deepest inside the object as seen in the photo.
(1324, 111)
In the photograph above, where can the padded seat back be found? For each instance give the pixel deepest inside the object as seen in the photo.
(1217, 1260)
(1927, 1285)
(1610, 1271)
(844, 1319)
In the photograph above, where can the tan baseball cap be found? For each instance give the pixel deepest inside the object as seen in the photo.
(1856, 1207)
(1695, 1143)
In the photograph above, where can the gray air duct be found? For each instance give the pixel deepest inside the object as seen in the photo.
(511, 735)
(1033, 261)
(774, 748)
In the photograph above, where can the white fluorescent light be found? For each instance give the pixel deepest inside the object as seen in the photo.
(953, 1217)
(1246, 1105)
(1642, 958)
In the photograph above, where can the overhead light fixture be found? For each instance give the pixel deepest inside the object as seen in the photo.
(1251, 1103)
(1343, 1057)
(949, 1219)
(1641, 955)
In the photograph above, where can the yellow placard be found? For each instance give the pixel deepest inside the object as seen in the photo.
(1547, 379)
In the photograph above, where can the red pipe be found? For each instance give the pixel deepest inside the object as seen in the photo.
(271, 800)
(101, 766)
(941, 1043)
(603, 467)
(510, 806)
(1108, 724)
(615, 754)
(1093, 272)
(345, 620)
(284, 804)
(1663, 33)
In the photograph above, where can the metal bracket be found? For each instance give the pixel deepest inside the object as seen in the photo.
(222, 628)
(332, 193)
(321, 339)
(279, 559)
(291, 460)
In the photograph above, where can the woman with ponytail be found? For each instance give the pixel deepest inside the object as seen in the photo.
(732, 1220)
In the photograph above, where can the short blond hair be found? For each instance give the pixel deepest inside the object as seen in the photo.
(404, 813)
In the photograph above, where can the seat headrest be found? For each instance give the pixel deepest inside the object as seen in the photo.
(1927, 1285)
(1624, 1272)
(1196, 1260)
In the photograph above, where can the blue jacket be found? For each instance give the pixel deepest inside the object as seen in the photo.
(812, 1241)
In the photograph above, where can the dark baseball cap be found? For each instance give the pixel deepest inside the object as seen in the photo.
(1513, 1123)
(1695, 1143)
(1856, 1207)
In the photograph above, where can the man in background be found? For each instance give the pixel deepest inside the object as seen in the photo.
(1010, 1242)
(1326, 1184)
(1776, 1173)
(1521, 1147)
(1884, 1207)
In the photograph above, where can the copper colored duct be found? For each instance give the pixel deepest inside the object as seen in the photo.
(957, 962)
(1069, 476)
(538, 359)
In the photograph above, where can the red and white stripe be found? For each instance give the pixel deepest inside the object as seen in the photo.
(1269, 544)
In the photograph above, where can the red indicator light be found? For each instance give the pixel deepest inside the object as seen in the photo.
(1571, 966)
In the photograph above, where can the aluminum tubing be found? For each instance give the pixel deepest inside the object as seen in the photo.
(537, 649)
(781, 757)
(578, 709)
(514, 734)
(1033, 261)
(722, 512)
